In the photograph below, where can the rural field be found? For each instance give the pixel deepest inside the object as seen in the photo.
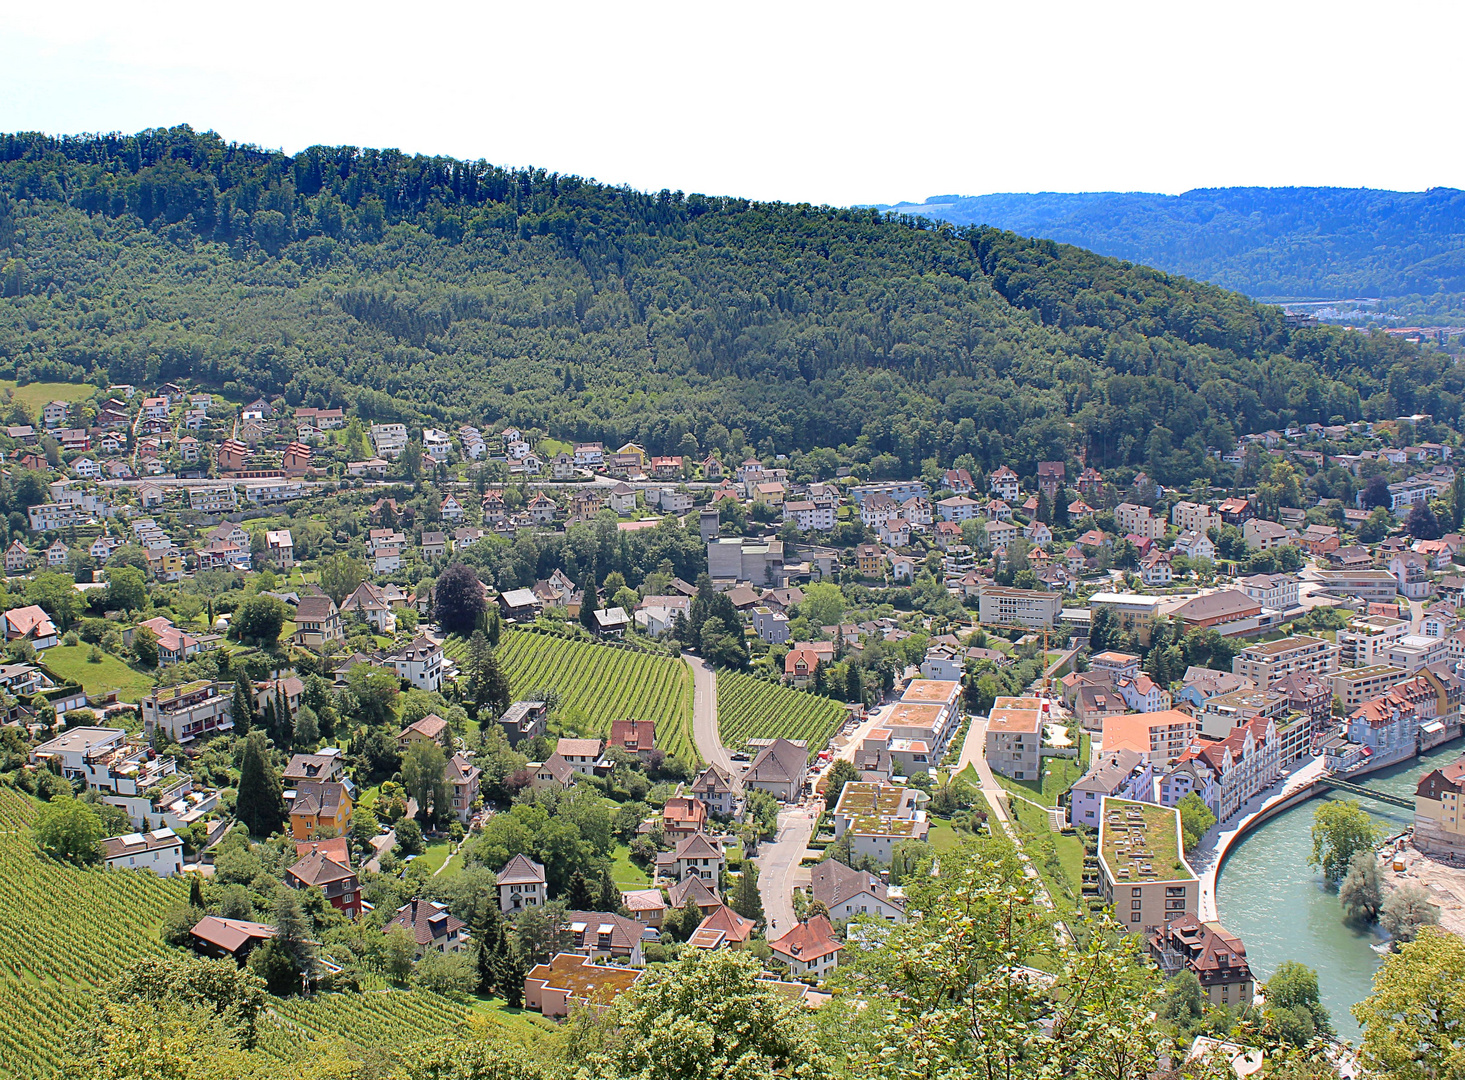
(599, 683)
(749, 708)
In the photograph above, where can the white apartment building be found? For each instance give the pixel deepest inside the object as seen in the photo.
(389, 439)
(1138, 520)
(212, 500)
(1366, 641)
(1194, 517)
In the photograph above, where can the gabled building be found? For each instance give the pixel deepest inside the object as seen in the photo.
(521, 885)
(1208, 951)
(810, 950)
(432, 926)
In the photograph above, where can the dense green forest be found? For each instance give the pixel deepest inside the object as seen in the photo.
(1267, 242)
(436, 290)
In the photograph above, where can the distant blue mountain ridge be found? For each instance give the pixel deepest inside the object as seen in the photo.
(1270, 243)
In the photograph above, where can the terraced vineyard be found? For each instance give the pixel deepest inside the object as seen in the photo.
(749, 708)
(64, 931)
(600, 683)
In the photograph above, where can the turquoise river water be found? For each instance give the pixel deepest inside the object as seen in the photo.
(1279, 906)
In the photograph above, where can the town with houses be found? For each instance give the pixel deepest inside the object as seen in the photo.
(1040, 649)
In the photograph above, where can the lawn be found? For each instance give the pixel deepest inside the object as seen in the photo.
(1059, 774)
(435, 853)
(34, 396)
(626, 873)
(944, 836)
(70, 662)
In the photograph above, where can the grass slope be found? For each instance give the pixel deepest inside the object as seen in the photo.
(70, 662)
(598, 683)
(749, 708)
(35, 396)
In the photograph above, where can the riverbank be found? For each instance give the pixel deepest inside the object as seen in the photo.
(1281, 907)
(1445, 883)
(1293, 788)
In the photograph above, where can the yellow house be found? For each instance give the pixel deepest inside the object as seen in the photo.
(632, 448)
(319, 806)
(870, 560)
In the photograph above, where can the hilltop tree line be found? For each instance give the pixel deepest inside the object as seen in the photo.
(432, 290)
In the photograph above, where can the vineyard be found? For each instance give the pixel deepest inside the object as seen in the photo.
(64, 930)
(366, 1020)
(598, 683)
(749, 708)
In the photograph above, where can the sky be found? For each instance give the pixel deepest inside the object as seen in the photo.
(808, 102)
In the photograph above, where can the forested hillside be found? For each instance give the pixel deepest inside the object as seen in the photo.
(1267, 242)
(429, 289)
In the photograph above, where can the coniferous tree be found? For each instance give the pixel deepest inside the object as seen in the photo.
(510, 969)
(609, 896)
(195, 890)
(242, 708)
(260, 803)
(577, 894)
(745, 898)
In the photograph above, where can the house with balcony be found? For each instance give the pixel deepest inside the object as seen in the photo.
(189, 711)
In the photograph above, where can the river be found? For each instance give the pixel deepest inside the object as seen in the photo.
(1278, 905)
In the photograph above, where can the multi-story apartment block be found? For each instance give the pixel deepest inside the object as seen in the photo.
(1277, 592)
(1354, 686)
(1000, 606)
(1194, 517)
(212, 500)
(189, 711)
(877, 817)
(1269, 662)
(1143, 874)
(1138, 520)
(1366, 641)
(1163, 735)
(389, 439)
(1015, 737)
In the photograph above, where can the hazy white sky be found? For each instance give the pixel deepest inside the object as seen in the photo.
(823, 102)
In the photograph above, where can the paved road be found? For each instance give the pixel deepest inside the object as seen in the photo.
(704, 713)
(778, 860)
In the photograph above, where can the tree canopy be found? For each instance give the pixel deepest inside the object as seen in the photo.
(422, 289)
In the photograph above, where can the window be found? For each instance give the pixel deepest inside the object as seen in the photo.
(1136, 892)
(1135, 904)
(1135, 917)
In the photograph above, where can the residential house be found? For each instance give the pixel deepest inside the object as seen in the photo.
(717, 789)
(1216, 957)
(847, 893)
(370, 602)
(810, 950)
(317, 806)
(1004, 484)
(318, 623)
(521, 885)
(779, 769)
(160, 851)
(572, 979)
(1118, 774)
(420, 663)
(333, 877)
(580, 754)
(694, 856)
(432, 926)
